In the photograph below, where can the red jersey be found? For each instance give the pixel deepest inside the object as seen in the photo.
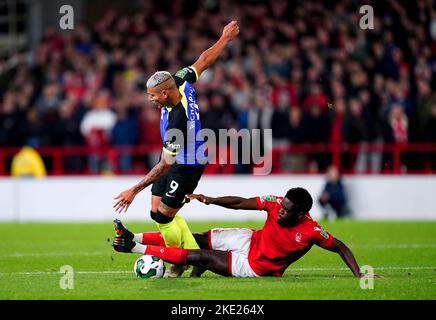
(274, 248)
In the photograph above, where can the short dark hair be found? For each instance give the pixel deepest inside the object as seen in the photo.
(301, 198)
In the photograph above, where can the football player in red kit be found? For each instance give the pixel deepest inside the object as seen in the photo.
(288, 233)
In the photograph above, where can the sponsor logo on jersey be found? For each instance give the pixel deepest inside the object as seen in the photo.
(322, 232)
(269, 198)
(174, 146)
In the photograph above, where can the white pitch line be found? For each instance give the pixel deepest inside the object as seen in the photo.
(53, 254)
(125, 271)
(59, 273)
(67, 254)
(375, 268)
(396, 246)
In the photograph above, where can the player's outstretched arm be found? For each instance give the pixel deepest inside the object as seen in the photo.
(126, 197)
(208, 57)
(226, 202)
(349, 259)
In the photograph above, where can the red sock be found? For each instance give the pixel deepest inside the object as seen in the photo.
(168, 254)
(153, 238)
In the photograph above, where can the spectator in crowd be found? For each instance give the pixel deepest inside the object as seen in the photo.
(356, 131)
(259, 120)
(66, 132)
(149, 118)
(35, 131)
(217, 115)
(12, 121)
(280, 119)
(333, 198)
(317, 128)
(296, 136)
(424, 103)
(95, 127)
(28, 163)
(399, 124)
(124, 133)
(50, 99)
(431, 134)
(315, 97)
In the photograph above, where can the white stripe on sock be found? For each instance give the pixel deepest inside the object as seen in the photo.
(137, 237)
(139, 248)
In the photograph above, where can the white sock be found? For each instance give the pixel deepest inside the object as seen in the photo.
(137, 237)
(139, 248)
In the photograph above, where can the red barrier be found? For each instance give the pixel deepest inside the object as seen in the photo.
(55, 156)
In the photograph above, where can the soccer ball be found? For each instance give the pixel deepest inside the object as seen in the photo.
(149, 267)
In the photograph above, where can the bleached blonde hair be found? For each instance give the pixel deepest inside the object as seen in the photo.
(158, 78)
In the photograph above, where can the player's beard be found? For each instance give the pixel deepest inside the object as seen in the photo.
(288, 222)
(157, 105)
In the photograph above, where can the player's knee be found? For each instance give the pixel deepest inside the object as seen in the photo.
(198, 258)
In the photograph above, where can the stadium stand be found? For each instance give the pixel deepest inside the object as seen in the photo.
(332, 93)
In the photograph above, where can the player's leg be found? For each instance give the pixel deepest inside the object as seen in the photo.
(233, 243)
(237, 242)
(188, 185)
(181, 185)
(188, 240)
(202, 239)
(177, 186)
(169, 230)
(213, 260)
(163, 217)
(153, 238)
(170, 223)
(168, 226)
(172, 235)
(155, 200)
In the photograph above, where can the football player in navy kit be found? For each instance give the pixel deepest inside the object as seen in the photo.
(182, 160)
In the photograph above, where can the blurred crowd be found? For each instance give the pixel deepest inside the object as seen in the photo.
(304, 68)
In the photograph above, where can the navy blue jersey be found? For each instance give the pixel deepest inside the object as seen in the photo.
(185, 117)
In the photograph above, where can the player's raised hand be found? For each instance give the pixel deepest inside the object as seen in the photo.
(231, 30)
(125, 198)
(199, 197)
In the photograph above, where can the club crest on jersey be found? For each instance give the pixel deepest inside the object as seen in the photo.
(298, 237)
(322, 232)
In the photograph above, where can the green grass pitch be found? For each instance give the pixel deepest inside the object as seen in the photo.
(31, 256)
